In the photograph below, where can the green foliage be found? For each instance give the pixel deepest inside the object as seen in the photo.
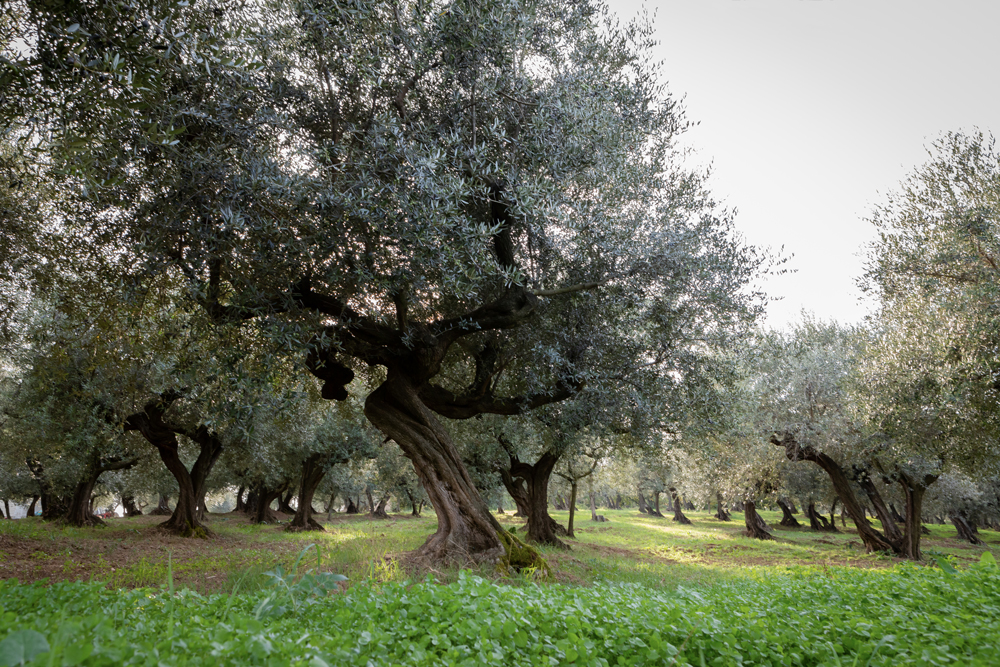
(290, 590)
(908, 615)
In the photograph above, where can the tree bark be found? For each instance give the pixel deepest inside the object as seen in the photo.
(162, 506)
(284, 502)
(313, 471)
(572, 510)
(787, 519)
(378, 510)
(541, 527)
(351, 507)
(886, 515)
(240, 504)
(817, 521)
(515, 488)
(80, 510)
(467, 531)
(756, 528)
(186, 519)
(262, 512)
(914, 488)
(899, 518)
(873, 539)
(678, 513)
(130, 507)
(643, 507)
(722, 514)
(965, 530)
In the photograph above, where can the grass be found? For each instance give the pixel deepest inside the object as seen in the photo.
(629, 548)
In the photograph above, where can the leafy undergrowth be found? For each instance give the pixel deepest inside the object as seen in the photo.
(840, 616)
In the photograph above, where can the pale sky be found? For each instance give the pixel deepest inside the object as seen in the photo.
(810, 111)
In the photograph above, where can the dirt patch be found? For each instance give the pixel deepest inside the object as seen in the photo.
(136, 552)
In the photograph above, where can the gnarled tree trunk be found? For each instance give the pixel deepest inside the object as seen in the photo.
(162, 506)
(756, 528)
(721, 514)
(787, 519)
(264, 496)
(966, 531)
(130, 507)
(678, 513)
(313, 471)
(515, 487)
(886, 515)
(186, 519)
(873, 539)
(817, 521)
(467, 531)
(541, 528)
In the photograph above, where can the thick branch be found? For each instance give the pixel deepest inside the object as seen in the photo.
(455, 406)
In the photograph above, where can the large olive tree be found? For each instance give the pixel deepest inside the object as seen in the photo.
(484, 199)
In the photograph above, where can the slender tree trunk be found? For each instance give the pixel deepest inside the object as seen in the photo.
(572, 510)
(885, 515)
(593, 508)
(914, 488)
(833, 511)
(240, 505)
(678, 513)
(467, 531)
(756, 528)
(313, 471)
(787, 519)
(31, 507)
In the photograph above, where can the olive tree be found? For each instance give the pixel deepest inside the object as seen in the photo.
(494, 189)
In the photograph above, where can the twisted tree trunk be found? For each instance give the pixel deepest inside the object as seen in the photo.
(467, 531)
(722, 514)
(130, 507)
(966, 531)
(678, 513)
(313, 471)
(756, 528)
(162, 506)
(541, 528)
(515, 487)
(787, 519)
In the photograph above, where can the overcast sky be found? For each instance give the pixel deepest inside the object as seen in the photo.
(810, 111)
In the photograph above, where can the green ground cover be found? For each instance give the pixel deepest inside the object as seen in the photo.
(635, 590)
(905, 615)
